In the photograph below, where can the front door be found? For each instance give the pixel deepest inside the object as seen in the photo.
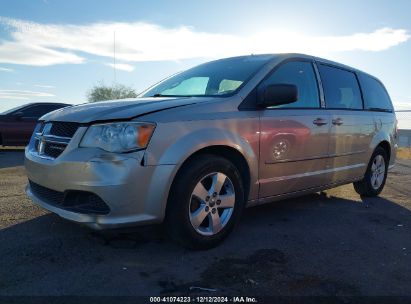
(294, 137)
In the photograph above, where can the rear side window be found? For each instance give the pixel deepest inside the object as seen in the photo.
(341, 88)
(300, 74)
(375, 95)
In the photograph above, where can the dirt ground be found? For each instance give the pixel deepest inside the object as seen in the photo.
(330, 243)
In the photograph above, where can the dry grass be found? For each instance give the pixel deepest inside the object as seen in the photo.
(404, 153)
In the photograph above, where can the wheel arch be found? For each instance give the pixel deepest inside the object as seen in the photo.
(229, 153)
(386, 146)
(384, 140)
(364, 186)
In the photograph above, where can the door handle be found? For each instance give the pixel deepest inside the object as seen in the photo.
(320, 122)
(338, 121)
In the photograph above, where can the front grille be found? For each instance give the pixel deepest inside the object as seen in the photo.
(53, 149)
(71, 200)
(41, 127)
(47, 195)
(64, 129)
(52, 138)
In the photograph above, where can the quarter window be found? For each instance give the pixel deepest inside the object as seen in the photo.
(341, 88)
(375, 95)
(300, 74)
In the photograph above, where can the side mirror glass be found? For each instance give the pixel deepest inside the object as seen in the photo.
(277, 94)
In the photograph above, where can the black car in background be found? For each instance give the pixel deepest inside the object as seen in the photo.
(17, 124)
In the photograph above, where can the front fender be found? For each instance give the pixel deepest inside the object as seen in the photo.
(175, 145)
(193, 142)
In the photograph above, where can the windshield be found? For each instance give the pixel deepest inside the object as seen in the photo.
(216, 78)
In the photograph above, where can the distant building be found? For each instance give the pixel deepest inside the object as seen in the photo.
(404, 138)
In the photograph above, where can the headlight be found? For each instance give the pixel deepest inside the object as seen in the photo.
(118, 136)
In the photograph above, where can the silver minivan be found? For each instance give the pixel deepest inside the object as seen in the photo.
(195, 149)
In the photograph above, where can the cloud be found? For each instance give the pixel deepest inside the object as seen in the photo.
(30, 54)
(22, 94)
(44, 86)
(121, 66)
(6, 70)
(47, 44)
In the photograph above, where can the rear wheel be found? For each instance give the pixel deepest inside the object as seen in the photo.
(205, 203)
(374, 179)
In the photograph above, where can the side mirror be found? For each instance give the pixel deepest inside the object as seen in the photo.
(277, 94)
(18, 115)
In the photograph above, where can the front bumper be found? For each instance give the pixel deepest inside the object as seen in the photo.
(135, 194)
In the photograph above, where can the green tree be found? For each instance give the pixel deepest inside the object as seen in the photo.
(102, 92)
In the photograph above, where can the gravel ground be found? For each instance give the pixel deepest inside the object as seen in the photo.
(330, 243)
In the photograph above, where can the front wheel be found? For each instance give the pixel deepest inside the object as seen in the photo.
(375, 176)
(205, 203)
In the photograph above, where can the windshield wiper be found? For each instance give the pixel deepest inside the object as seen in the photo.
(158, 95)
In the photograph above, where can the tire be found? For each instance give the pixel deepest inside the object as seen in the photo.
(195, 209)
(375, 176)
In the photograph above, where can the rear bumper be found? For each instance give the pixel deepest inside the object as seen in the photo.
(135, 194)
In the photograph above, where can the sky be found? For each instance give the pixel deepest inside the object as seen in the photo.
(56, 50)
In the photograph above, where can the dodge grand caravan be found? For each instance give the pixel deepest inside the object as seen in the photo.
(195, 149)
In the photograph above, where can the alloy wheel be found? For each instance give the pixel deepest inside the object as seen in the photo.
(212, 203)
(377, 171)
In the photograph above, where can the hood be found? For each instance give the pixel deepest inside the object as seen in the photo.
(119, 109)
